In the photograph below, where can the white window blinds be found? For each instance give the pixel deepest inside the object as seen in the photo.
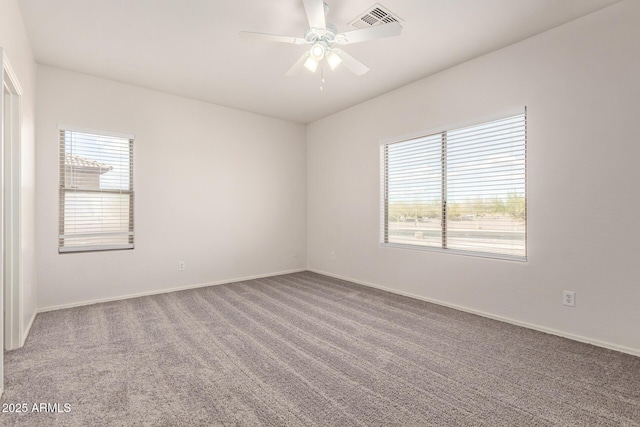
(461, 190)
(96, 191)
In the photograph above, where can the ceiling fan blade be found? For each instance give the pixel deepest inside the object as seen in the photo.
(315, 13)
(272, 37)
(350, 63)
(377, 32)
(297, 67)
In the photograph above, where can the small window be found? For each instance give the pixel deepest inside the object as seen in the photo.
(460, 190)
(96, 191)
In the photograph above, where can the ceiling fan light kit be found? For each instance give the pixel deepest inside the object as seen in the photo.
(333, 60)
(311, 64)
(318, 49)
(322, 37)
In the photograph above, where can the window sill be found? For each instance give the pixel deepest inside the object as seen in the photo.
(502, 257)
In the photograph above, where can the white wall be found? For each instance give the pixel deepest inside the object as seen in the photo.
(581, 85)
(222, 189)
(14, 40)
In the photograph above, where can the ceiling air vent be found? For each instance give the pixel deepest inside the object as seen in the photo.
(375, 15)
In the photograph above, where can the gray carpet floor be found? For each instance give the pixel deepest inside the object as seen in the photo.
(308, 350)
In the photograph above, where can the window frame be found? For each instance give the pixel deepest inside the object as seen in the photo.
(384, 219)
(61, 189)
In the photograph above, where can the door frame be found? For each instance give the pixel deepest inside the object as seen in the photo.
(10, 209)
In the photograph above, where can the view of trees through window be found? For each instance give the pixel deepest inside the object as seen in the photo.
(473, 177)
(420, 224)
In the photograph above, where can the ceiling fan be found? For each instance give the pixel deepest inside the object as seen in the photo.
(323, 37)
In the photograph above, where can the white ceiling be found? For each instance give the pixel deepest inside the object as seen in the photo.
(192, 48)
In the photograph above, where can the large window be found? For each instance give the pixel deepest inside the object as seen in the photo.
(461, 190)
(96, 191)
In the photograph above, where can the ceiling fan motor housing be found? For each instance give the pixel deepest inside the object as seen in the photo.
(328, 35)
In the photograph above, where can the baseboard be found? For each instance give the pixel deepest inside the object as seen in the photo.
(165, 291)
(574, 337)
(26, 331)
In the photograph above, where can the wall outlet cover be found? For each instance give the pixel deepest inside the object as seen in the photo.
(569, 298)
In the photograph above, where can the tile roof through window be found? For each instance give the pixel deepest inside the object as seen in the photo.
(84, 163)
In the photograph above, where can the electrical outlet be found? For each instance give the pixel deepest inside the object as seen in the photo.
(332, 256)
(182, 266)
(569, 298)
(295, 254)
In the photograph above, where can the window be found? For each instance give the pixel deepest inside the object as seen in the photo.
(461, 190)
(96, 191)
